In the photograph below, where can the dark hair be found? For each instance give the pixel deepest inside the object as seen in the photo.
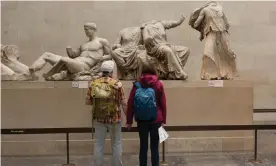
(146, 69)
(105, 74)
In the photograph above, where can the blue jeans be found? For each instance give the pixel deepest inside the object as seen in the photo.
(146, 128)
(116, 143)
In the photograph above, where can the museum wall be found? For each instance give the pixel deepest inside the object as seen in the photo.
(38, 27)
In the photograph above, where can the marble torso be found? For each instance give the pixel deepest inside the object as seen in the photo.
(131, 37)
(156, 31)
(214, 20)
(91, 51)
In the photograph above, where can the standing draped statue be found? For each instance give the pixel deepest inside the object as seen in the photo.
(219, 61)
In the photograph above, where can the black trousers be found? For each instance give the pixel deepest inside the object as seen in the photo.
(145, 129)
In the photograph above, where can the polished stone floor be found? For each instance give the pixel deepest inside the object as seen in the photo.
(266, 153)
(206, 159)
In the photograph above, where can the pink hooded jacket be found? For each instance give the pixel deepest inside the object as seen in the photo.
(148, 80)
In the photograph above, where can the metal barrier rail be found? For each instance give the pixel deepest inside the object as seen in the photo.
(67, 131)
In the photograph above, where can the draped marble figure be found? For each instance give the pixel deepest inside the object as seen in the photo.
(219, 61)
(127, 51)
(171, 58)
(81, 63)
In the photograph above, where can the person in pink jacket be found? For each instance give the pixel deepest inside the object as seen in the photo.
(146, 128)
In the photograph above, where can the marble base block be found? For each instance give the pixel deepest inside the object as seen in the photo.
(58, 104)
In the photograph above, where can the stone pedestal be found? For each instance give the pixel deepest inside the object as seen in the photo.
(58, 104)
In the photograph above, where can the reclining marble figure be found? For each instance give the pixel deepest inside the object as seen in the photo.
(81, 63)
(171, 58)
(219, 61)
(11, 68)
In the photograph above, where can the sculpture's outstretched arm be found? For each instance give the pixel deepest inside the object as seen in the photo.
(172, 24)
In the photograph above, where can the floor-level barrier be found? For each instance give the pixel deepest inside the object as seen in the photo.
(67, 131)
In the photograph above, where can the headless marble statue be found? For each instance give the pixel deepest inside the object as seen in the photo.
(129, 53)
(147, 45)
(171, 58)
(11, 68)
(219, 61)
(81, 63)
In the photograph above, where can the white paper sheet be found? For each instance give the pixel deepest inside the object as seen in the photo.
(163, 135)
(83, 84)
(215, 83)
(75, 84)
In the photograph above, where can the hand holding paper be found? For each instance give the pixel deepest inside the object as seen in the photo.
(163, 135)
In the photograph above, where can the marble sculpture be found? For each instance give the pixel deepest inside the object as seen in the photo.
(147, 44)
(136, 46)
(11, 68)
(130, 54)
(126, 51)
(81, 64)
(171, 58)
(219, 61)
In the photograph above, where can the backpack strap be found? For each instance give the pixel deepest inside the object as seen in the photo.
(138, 85)
(113, 82)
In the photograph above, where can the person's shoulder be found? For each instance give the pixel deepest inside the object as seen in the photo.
(117, 83)
(204, 10)
(123, 30)
(160, 22)
(103, 41)
(92, 83)
(95, 81)
(160, 83)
